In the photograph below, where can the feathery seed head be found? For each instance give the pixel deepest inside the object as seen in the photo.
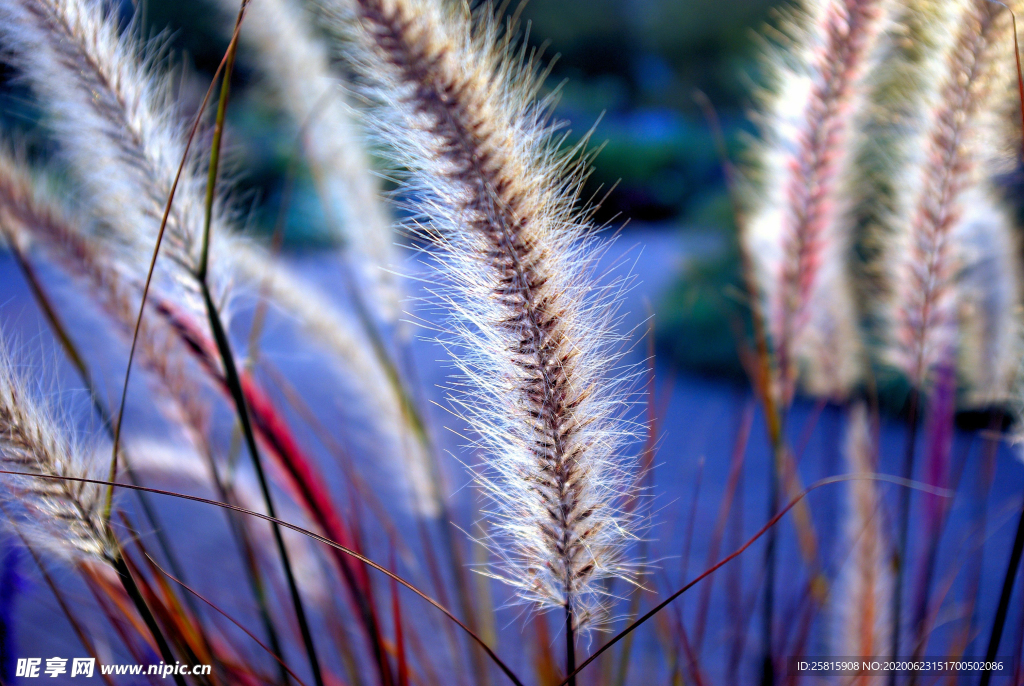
(926, 256)
(799, 231)
(542, 385)
(111, 108)
(900, 88)
(296, 63)
(62, 516)
(30, 214)
(829, 347)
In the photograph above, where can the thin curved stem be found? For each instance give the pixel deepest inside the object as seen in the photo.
(903, 522)
(131, 587)
(78, 362)
(1004, 599)
(235, 386)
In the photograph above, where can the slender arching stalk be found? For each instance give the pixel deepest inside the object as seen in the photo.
(273, 653)
(228, 360)
(78, 362)
(1005, 594)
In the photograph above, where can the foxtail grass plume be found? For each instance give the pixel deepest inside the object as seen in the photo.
(963, 143)
(799, 230)
(863, 592)
(64, 517)
(830, 349)
(541, 383)
(296, 65)
(111, 111)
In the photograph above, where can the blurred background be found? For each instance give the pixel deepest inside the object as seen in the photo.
(628, 72)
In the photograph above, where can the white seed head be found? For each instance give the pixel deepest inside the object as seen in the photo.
(959, 151)
(296, 64)
(61, 516)
(799, 230)
(541, 381)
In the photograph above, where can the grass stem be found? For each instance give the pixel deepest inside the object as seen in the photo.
(334, 545)
(903, 521)
(132, 588)
(227, 356)
(81, 367)
(235, 386)
(570, 647)
(1003, 608)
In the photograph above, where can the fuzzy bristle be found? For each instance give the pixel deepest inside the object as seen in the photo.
(829, 349)
(33, 217)
(111, 110)
(989, 300)
(893, 131)
(532, 331)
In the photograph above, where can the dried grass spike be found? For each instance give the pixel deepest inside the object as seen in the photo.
(958, 155)
(111, 109)
(297, 66)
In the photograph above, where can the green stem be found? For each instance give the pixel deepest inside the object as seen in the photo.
(218, 136)
(227, 356)
(900, 561)
(128, 581)
(235, 386)
(1004, 599)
